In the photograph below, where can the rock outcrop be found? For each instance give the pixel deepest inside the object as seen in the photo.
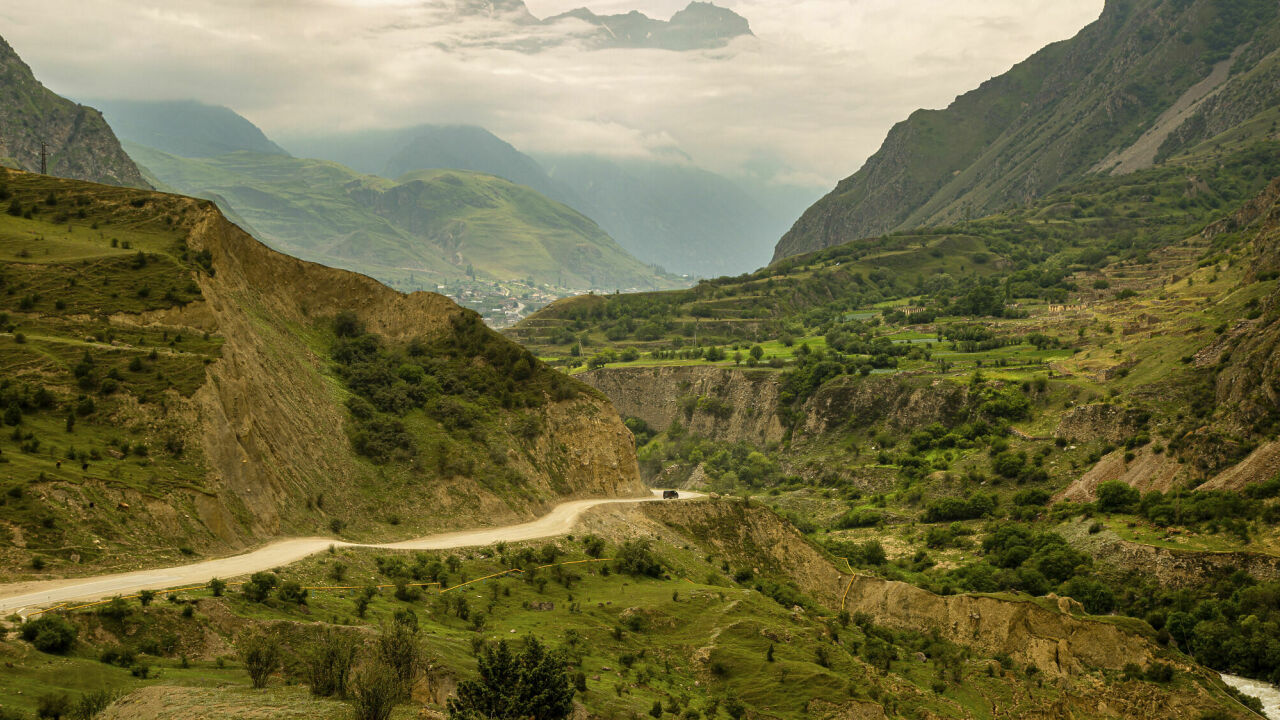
(727, 404)
(900, 402)
(79, 142)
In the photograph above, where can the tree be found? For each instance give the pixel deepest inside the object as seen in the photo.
(217, 587)
(146, 597)
(533, 685)
(260, 585)
(260, 653)
(1117, 496)
(634, 558)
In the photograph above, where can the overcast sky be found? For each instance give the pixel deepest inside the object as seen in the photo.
(806, 101)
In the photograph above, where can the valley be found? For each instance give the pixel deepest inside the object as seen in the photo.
(995, 434)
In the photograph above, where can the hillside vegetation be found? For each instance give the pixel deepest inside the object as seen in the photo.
(172, 387)
(1068, 398)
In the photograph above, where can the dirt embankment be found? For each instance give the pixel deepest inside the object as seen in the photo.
(1170, 566)
(727, 404)
(900, 402)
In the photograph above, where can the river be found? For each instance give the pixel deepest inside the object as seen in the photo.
(1269, 694)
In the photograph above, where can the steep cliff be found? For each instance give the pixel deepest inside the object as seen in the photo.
(1055, 117)
(79, 142)
(718, 403)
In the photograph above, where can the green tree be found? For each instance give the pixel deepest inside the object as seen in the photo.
(1117, 496)
(533, 685)
(634, 558)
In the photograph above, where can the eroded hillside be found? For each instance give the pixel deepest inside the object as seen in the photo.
(175, 387)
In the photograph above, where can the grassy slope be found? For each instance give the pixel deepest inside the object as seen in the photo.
(692, 638)
(429, 224)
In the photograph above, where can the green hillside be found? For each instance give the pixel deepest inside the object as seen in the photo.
(1150, 78)
(426, 228)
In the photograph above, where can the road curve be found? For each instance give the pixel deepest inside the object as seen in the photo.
(17, 597)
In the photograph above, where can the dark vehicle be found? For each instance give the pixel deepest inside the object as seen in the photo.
(670, 495)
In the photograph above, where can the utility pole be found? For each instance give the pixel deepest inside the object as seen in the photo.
(44, 158)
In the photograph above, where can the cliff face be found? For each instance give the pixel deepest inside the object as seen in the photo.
(860, 402)
(1169, 566)
(723, 404)
(268, 410)
(1055, 117)
(80, 143)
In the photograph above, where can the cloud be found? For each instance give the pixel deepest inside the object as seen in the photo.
(816, 89)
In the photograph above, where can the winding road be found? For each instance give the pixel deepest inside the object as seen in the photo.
(24, 596)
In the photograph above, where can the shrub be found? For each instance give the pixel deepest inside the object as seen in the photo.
(292, 592)
(260, 585)
(328, 665)
(634, 558)
(91, 704)
(49, 633)
(53, 706)
(375, 691)
(398, 649)
(260, 653)
(1117, 496)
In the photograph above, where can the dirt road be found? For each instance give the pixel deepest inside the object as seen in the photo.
(20, 597)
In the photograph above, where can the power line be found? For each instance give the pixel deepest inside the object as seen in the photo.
(44, 158)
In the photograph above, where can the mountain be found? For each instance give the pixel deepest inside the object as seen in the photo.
(432, 225)
(672, 214)
(392, 153)
(1148, 79)
(185, 128)
(78, 142)
(681, 217)
(177, 384)
(699, 26)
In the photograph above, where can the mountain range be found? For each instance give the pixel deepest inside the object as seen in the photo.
(664, 211)
(1145, 81)
(700, 26)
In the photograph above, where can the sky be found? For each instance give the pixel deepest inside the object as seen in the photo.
(804, 102)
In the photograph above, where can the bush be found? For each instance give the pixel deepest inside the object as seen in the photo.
(375, 691)
(328, 665)
(91, 704)
(1116, 496)
(292, 592)
(634, 558)
(49, 633)
(260, 653)
(53, 706)
(398, 649)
